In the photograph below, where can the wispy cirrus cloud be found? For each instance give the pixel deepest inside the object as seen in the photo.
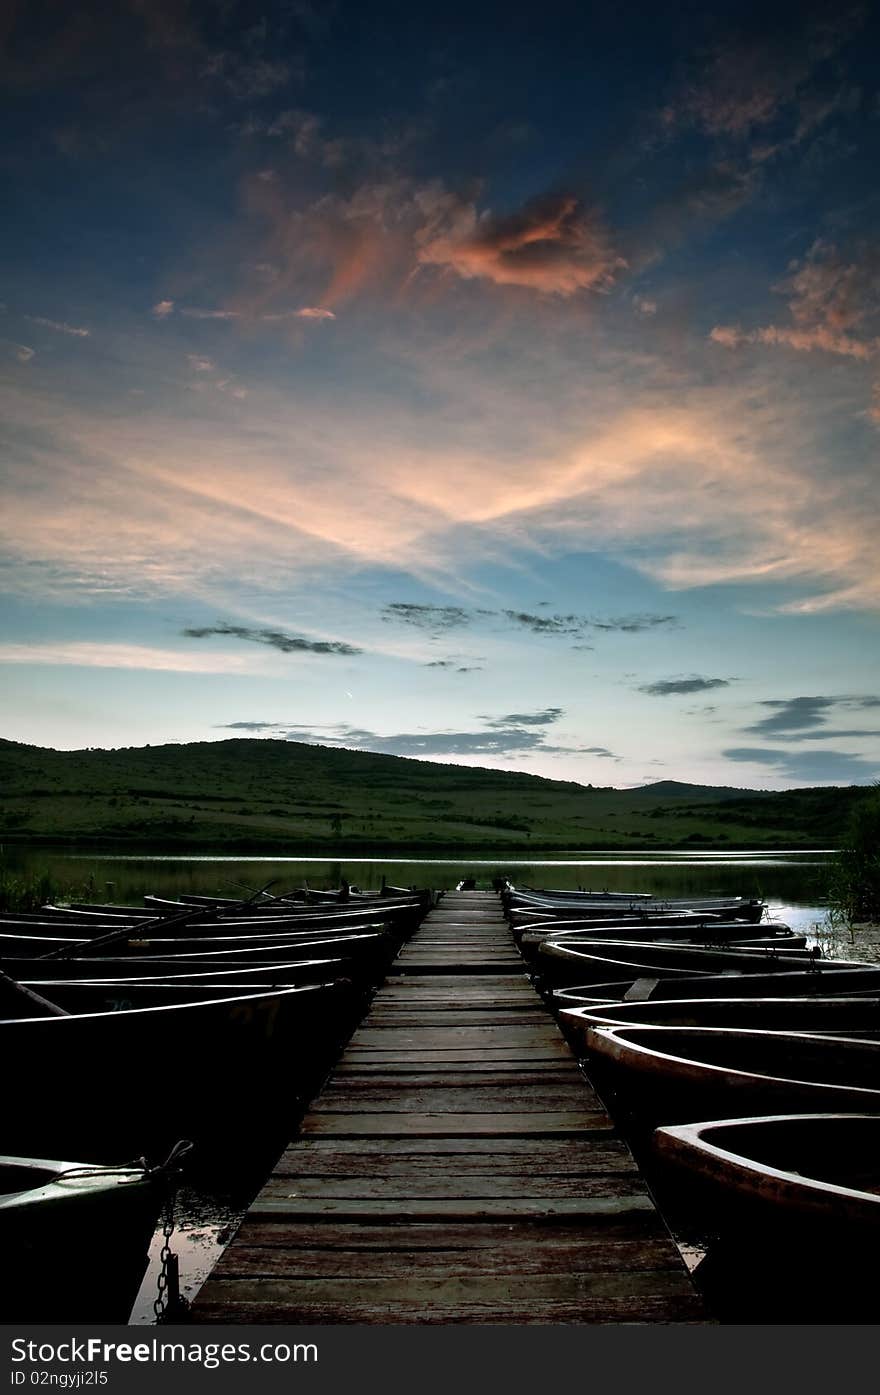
(674, 687)
(107, 654)
(191, 312)
(746, 81)
(276, 639)
(59, 326)
(304, 313)
(834, 303)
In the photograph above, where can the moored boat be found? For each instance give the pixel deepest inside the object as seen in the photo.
(790, 1208)
(667, 1075)
(75, 1237)
(824, 978)
(580, 960)
(838, 1016)
(111, 1082)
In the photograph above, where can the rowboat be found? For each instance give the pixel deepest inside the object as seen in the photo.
(824, 978)
(370, 949)
(117, 1082)
(168, 969)
(573, 961)
(75, 1238)
(802, 1192)
(667, 1075)
(841, 1016)
(696, 932)
(307, 919)
(586, 904)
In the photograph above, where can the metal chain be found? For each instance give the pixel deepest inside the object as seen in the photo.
(168, 1304)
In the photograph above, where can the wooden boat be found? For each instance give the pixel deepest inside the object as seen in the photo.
(371, 949)
(734, 908)
(824, 978)
(739, 934)
(858, 1017)
(800, 1192)
(75, 1238)
(667, 1075)
(159, 969)
(309, 918)
(117, 1082)
(579, 961)
(79, 996)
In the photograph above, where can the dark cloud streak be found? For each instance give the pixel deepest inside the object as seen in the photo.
(276, 639)
(668, 687)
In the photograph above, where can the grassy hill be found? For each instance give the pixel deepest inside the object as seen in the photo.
(248, 795)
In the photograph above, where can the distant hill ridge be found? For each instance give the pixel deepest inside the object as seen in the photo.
(252, 793)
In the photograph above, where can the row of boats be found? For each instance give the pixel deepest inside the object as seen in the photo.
(126, 1030)
(744, 1067)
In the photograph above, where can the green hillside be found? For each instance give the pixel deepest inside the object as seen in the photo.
(285, 796)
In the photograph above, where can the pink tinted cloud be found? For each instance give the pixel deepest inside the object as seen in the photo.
(830, 299)
(306, 312)
(553, 244)
(806, 340)
(162, 309)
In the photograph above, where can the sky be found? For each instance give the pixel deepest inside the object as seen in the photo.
(469, 382)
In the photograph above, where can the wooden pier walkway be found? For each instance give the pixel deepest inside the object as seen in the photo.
(457, 1167)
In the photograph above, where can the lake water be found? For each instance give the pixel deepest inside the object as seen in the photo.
(795, 878)
(793, 883)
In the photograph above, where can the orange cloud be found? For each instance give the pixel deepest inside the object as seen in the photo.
(553, 245)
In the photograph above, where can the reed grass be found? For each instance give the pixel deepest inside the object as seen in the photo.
(28, 891)
(854, 891)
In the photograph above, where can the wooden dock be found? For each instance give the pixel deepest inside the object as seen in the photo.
(457, 1167)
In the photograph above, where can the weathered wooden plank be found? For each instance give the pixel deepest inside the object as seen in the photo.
(609, 1155)
(430, 1098)
(476, 1124)
(445, 1187)
(266, 1261)
(549, 1149)
(463, 1075)
(373, 1235)
(502, 1293)
(523, 1055)
(454, 1208)
(424, 1038)
(680, 1309)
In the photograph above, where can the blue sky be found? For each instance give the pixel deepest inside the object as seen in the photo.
(470, 384)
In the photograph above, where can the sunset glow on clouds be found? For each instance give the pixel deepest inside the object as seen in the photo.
(585, 329)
